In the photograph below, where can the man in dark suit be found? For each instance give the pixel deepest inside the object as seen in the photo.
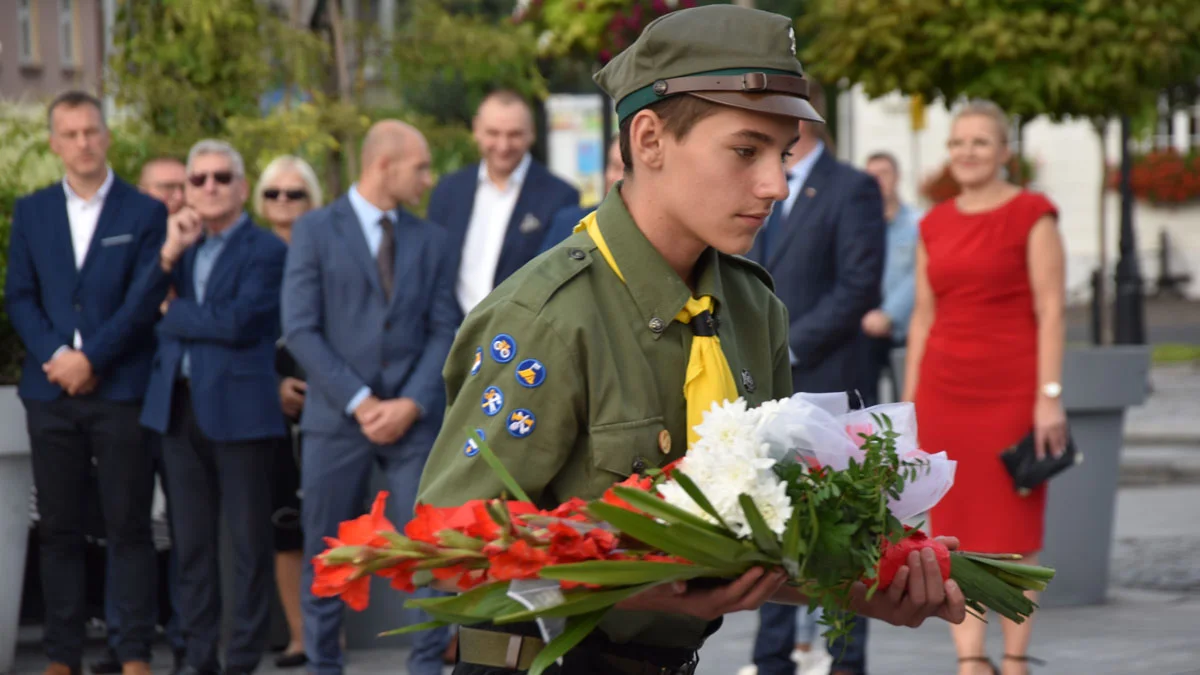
(499, 209)
(75, 295)
(212, 395)
(824, 246)
(566, 219)
(369, 313)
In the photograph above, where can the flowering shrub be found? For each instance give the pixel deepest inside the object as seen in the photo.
(592, 29)
(1165, 177)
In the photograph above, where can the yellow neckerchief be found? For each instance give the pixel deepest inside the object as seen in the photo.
(709, 379)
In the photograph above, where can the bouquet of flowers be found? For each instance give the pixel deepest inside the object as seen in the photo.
(802, 484)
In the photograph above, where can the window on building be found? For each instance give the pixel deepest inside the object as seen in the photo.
(66, 32)
(27, 32)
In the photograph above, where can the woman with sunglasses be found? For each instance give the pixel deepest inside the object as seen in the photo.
(287, 190)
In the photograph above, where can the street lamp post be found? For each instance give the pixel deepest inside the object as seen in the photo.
(1129, 318)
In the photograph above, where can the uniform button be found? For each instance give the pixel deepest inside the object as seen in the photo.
(639, 465)
(657, 325)
(78, 307)
(576, 254)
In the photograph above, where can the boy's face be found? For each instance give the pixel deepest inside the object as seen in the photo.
(722, 178)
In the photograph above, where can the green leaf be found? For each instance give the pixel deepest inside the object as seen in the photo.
(698, 496)
(510, 483)
(668, 512)
(793, 545)
(679, 539)
(413, 628)
(577, 602)
(767, 542)
(625, 572)
(578, 628)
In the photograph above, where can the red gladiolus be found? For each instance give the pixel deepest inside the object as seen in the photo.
(344, 580)
(331, 581)
(401, 575)
(518, 561)
(634, 481)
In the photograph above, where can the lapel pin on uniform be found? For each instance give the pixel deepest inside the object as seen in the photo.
(810, 192)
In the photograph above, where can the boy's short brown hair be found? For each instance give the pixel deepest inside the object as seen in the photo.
(678, 113)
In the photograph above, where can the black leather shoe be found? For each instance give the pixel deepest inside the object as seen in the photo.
(235, 671)
(294, 660)
(188, 670)
(178, 666)
(108, 664)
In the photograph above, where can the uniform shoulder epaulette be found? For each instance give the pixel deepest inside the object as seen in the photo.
(754, 268)
(552, 271)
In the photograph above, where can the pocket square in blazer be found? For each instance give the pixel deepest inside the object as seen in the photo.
(116, 240)
(530, 224)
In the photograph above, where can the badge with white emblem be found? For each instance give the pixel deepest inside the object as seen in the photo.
(521, 423)
(471, 448)
(531, 373)
(492, 401)
(504, 348)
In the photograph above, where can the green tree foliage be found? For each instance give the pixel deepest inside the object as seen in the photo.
(444, 63)
(1085, 58)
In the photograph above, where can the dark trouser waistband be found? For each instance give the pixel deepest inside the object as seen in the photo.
(496, 649)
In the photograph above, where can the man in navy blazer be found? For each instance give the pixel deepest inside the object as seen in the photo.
(498, 211)
(824, 247)
(369, 313)
(213, 397)
(76, 294)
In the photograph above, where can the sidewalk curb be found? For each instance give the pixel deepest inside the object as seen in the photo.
(1163, 439)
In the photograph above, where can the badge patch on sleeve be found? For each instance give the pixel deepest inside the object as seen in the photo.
(504, 348)
(471, 448)
(478, 360)
(521, 423)
(492, 401)
(531, 373)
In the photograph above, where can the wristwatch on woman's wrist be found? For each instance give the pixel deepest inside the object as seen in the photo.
(1052, 390)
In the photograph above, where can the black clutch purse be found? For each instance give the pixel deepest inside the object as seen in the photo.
(1028, 472)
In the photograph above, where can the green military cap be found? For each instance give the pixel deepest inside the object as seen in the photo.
(735, 56)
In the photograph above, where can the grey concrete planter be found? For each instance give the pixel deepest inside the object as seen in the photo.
(16, 477)
(1098, 385)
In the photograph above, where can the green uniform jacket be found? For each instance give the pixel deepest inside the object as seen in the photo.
(573, 377)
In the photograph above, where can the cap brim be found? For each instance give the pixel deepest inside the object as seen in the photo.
(784, 105)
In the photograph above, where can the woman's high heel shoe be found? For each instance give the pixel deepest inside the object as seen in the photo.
(1024, 658)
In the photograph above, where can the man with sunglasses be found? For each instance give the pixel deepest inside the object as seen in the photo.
(75, 251)
(212, 394)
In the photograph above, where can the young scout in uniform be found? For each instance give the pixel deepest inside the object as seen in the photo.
(594, 360)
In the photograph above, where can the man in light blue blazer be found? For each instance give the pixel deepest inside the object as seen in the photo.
(369, 312)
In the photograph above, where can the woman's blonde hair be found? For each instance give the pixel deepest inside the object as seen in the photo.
(988, 109)
(289, 163)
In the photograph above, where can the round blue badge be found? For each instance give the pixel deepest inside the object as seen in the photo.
(471, 448)
(531, 373)
(478, 360)
(521, 423)
(504, 348)
(492, 401)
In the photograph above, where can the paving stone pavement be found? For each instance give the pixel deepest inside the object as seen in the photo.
(1169, 414)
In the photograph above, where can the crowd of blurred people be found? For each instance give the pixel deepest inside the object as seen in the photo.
(257, 366)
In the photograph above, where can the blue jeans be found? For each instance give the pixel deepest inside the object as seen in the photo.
(337, 468)
(782, 626)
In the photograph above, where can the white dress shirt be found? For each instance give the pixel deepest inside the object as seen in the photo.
(484, 240)
(83, 215)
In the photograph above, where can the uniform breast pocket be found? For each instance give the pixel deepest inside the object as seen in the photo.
(625, 448)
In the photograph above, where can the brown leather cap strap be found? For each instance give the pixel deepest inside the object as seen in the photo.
(751, 83)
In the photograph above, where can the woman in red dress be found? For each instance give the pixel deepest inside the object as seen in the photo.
(985, 354)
